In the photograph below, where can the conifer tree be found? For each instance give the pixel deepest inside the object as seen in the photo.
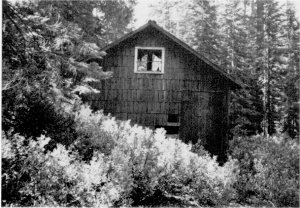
(248, 38)
(51, 55)
(291, 73)
(206, 38)
(272, 65)
(238, 46)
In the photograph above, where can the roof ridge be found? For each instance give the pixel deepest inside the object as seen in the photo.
(182, 44)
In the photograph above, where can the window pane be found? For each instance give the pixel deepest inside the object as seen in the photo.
(142, 63)
(149, 60)
(156, 66)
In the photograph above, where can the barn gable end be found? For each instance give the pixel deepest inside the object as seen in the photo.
(191, 96)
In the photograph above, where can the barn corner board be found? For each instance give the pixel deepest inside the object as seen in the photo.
(159, 81)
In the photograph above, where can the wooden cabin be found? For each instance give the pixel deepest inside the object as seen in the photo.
(159, 81)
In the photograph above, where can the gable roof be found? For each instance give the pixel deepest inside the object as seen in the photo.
(153, 24)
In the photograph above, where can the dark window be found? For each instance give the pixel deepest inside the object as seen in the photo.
(173, 118)
(169, 129)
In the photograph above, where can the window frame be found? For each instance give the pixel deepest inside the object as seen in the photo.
(149, 48)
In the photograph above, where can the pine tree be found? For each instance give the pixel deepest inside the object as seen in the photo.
(272, 64)
(249, 38)
(238, 46)
(266, 23)
(167, 14)
(291, 73)
(49, 59)
(206, 38)
(195, 22)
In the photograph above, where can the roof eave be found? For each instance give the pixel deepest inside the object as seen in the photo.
(236, 83)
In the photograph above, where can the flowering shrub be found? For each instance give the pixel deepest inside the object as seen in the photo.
(269, 170)
(113, 163)
(151, 168)
(94, 132)
(58, 178)
(125, 165)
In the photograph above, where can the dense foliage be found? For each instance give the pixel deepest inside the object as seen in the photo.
(256, 41)
(269, 170)
(114, 163)
(57, 152)
(51, 53)
(130, 165)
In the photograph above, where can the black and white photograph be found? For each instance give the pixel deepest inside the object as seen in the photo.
(150, 103)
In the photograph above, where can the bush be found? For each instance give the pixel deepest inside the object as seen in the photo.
(31, 177)
(127, 165)
(32, 113)
(269, 170)
(151, 169)
(94, 132)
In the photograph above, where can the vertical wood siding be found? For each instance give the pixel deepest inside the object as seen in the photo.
(189, 88)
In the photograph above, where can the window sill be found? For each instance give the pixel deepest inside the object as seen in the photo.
(148, 72)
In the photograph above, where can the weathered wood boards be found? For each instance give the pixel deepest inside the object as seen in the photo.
(189, 91)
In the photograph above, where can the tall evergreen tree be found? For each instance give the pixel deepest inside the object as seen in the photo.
(272, 65)
(238, 46)
(50, 55)
(248, 38)
(266, 21)
(291, 73)
(195, 22)
(171, 14)
(206, 38)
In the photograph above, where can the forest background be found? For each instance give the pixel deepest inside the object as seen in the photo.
(258, 42)
(56, 151)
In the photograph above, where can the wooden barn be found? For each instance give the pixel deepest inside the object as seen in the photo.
(159, 81)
